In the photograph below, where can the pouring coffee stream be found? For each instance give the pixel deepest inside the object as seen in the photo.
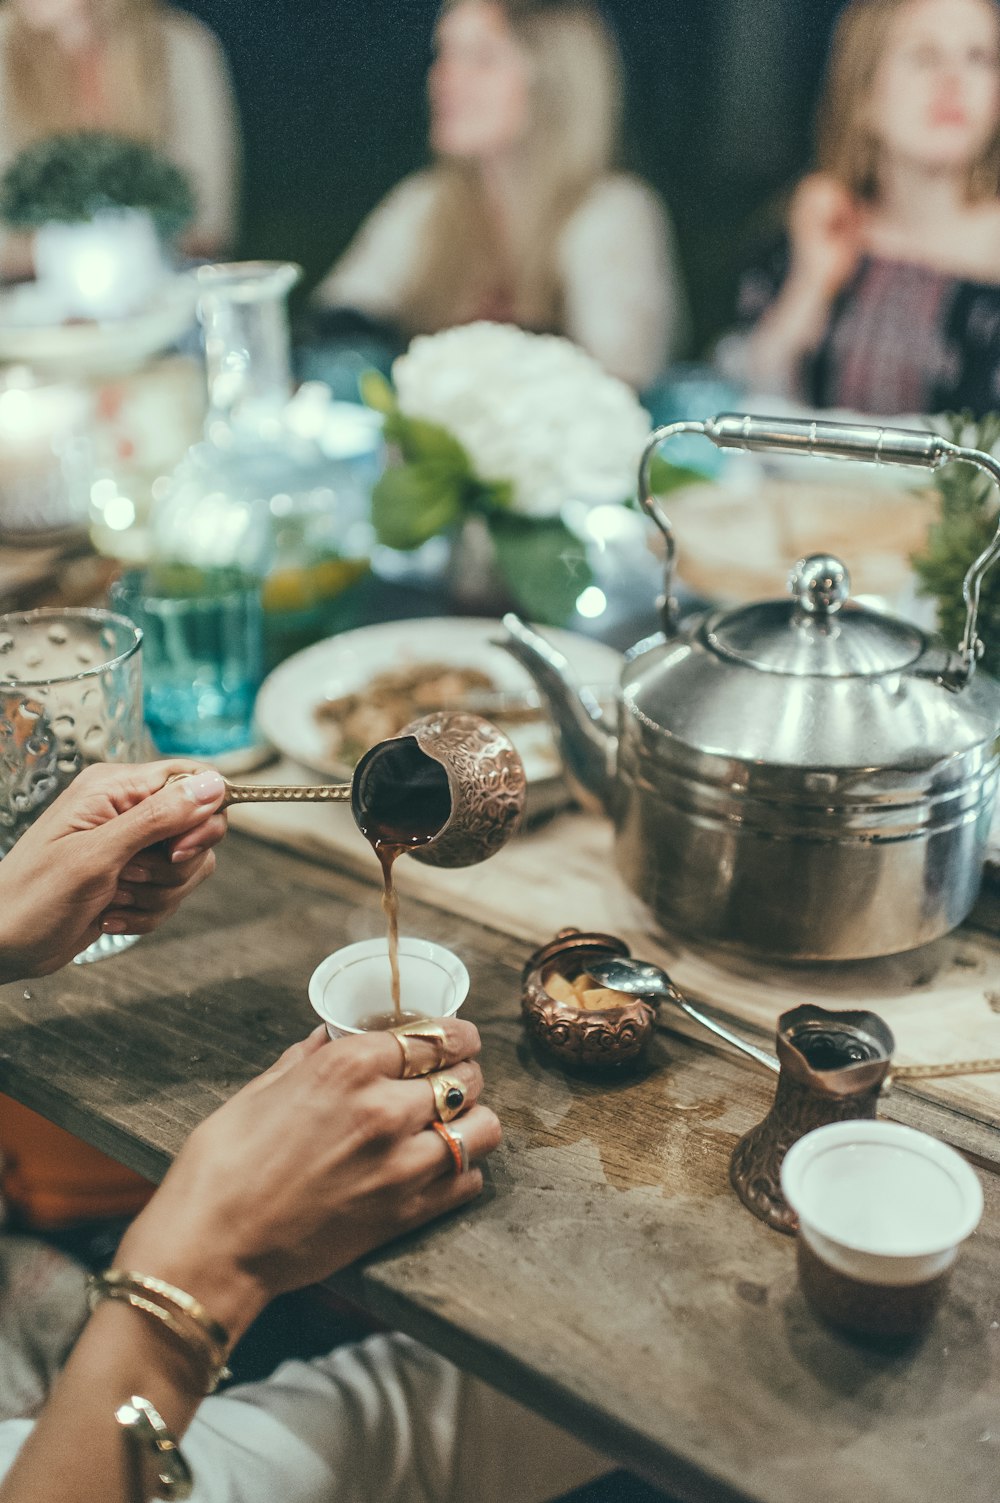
(449, 790)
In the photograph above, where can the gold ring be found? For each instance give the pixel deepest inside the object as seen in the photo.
(455, 1141)
(431, 1033)
(449, 1095)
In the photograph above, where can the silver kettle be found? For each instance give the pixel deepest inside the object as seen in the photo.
(804, 778)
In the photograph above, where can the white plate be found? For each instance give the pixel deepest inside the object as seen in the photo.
(29, 334)
(341, 665)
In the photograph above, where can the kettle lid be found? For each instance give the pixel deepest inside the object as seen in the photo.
(818, 631)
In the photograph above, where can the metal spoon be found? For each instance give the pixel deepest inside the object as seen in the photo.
(641, 979)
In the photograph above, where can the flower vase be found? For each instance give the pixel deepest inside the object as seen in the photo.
(473, 577)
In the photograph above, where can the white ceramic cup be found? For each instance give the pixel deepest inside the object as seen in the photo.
(882, 1212)
(355, 982)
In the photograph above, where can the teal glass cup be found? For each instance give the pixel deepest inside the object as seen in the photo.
(203, 655)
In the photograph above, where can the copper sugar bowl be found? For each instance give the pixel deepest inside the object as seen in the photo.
(608, 1038)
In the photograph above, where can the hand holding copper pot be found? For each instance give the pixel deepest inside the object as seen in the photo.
(451, 786)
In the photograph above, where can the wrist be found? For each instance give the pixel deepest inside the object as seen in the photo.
(228, 1292)
(808, 292)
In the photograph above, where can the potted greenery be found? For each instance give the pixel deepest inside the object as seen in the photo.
(101, 208)
(966, 525)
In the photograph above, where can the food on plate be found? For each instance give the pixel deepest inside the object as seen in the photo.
(391, 699)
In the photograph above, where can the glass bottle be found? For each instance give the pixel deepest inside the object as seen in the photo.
(279, 487)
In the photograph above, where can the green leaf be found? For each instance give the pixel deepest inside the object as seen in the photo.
(489, 497)
(376, 392)
(422, 442)
(966, 524)
(666, 477)
(414, 502)
(544, 564)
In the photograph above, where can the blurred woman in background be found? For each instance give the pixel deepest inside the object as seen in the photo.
(521, 218)
(886, 298)
(133, 67)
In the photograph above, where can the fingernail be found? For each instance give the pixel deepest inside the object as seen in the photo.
(187, 854)
(122, 899)
(113, 926)
(204, 787)
(135, 874)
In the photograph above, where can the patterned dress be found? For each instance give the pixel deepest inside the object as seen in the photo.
(901, 338)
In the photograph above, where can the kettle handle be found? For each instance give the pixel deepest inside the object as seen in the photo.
(860, 441)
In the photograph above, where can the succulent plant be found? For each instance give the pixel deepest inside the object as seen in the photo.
(70, 178)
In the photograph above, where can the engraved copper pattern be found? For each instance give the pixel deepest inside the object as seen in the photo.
(808, 1097)
(572, 1035)
(487, 782)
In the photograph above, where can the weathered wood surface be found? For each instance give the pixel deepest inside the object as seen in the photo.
(608, 1275)
(942, 1001)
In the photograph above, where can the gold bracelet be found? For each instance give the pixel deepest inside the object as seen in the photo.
(143, 1424)
(195, 1329)
(186, 1303)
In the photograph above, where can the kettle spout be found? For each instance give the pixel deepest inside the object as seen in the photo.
(587, 747)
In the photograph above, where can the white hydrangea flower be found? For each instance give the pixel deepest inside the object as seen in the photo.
(530, 409)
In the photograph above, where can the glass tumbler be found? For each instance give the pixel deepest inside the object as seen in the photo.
(70, 695)
(203, 654)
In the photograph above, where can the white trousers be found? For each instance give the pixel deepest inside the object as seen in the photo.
(382, 1421)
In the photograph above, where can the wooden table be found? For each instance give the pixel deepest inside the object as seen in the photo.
(608, 1276)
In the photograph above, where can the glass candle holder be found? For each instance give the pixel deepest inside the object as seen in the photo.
(70, 695)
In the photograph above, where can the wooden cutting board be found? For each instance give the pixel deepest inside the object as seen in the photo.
(736, 544)
(942, 1001)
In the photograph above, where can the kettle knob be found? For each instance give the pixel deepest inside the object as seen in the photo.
(820, 584)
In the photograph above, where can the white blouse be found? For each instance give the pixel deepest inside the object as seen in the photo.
(622, 292)
(202, 131)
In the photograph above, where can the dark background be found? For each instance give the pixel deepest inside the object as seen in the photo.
(331, 94)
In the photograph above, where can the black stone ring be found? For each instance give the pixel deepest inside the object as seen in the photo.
(449, 1096)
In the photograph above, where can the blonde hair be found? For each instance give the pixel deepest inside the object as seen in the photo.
(43, 85)
(571, 142)
(847, 147)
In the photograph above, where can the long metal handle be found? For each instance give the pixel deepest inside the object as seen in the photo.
(280, 793)
(865, 442)
(743, 1045)
(291, 793)
(862, 441)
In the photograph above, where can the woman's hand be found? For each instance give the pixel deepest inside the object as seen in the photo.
(825, 225)
(319, 1160)
(826, 229)
(116, 853)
